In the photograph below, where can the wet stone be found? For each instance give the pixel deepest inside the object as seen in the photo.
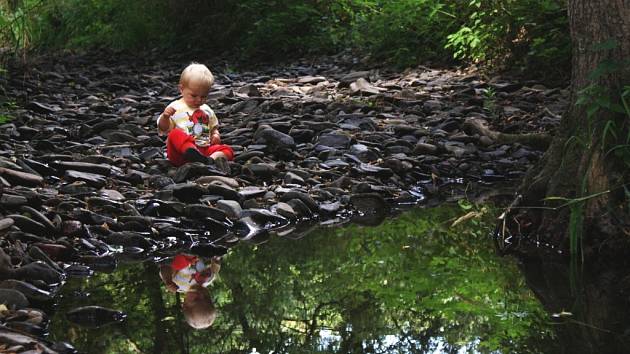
(188, 192)
(285, 210)
(29, 290)
(94, 316)
(93, 180)
(223, 191)
(6, 223)
(271, 137)
(12, 201)
(27, 224)
(20, 178)
(159, 182)
(252, 192)
(369, 203)
(13, 299)
(99, 169)
(334, 140)
(197, 211)
(231, 208)
(38, 271)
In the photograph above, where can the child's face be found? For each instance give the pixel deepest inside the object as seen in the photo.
(194, 93)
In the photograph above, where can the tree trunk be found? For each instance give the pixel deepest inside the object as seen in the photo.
(577, 164)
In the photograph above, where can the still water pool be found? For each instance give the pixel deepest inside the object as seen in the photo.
(413, 284)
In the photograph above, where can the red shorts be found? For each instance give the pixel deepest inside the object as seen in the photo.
(178, 142)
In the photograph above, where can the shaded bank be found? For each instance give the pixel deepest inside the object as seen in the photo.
(589, 306)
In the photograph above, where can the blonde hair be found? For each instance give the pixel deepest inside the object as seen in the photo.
(198, 73)
(199, 311)
(200, 317)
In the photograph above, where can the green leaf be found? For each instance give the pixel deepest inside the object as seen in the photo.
(464, 204)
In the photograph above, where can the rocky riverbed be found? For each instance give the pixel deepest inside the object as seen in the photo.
(84, 180)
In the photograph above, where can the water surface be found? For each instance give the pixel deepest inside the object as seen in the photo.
(413, 284)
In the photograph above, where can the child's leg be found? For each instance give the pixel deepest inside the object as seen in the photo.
(220, 154)
(220, 150)
(176, 145)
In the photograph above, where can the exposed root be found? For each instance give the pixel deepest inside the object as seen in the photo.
(538, 141)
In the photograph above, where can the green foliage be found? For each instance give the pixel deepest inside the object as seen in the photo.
(87, 24)
(529, 33)
(287, 26)
(406, 31)
(5, 108)
(612, 103)
(526, 33)
(15, 28)
(490, 102)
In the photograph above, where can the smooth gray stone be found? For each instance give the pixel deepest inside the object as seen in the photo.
(230, 207)
(292, 178)
(12, 201)
(198, 211)
(29, 290)
(252, 192)
(99, 169)
(94, 316)
(304, 197)
(263, 171)
(188, 192)
(369, 203)
(129, 239)
(330, 208)
(425, 149)
(300, 208)
(21, 178)
(271, 137)
(374, 170)
(193, 170)
(42, 107)
(6, 223)
(334, 140)
(94, 180)
(38, 271)
(13, 299)
(159, 182)
(223, 191)
(27, 224)
(39, 217)
(351, 77)
(285, 210)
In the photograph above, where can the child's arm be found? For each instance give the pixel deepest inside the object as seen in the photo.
(215, 137)
(213, 269)
(166, 274)
(164, 122)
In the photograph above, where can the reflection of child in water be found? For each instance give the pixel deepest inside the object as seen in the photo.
(188, 274)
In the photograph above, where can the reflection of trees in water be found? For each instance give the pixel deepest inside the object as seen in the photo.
(410, 285)
(591, 304)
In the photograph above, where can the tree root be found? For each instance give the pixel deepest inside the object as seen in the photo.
(540, 141)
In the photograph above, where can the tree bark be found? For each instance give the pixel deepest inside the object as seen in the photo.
(577, 164)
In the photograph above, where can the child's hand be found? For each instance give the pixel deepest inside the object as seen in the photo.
(171, 287)
(215, 138)
(168, 112)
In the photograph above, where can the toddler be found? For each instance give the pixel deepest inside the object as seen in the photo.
(192, 127)
(189, 275)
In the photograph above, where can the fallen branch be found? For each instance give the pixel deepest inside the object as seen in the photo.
(539, 141)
